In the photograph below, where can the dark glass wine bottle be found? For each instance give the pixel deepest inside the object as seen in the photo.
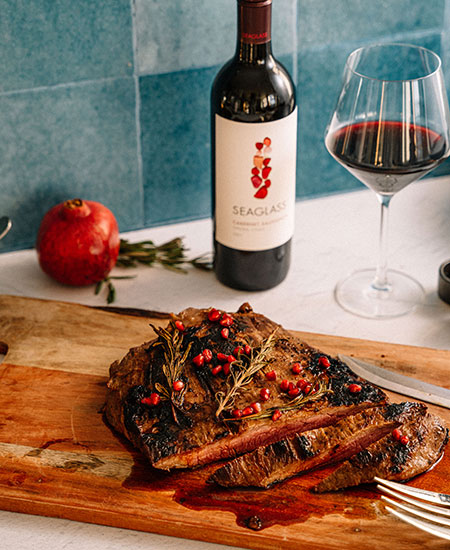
(254, 142)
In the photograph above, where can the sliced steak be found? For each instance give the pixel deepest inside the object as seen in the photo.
(302, 452)
(202, 422)
(399, 456)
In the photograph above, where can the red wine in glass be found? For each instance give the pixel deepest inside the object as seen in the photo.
(390, 126)
(388, 155)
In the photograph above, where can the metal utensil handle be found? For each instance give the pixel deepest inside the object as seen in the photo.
(5, 226)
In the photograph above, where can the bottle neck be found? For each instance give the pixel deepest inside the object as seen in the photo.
(254, 31)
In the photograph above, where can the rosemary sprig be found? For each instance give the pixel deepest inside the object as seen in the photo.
(111, 296)
(173, 366)
(296, 403)
(242, 373)
(171, 255)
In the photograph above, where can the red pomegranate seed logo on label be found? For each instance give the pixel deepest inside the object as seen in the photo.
(261, 169)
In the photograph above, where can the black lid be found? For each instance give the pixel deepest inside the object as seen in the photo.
(444, 282)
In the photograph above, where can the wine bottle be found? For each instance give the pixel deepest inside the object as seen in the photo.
(254, 142)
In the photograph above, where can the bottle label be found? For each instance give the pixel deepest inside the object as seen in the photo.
(255, 182)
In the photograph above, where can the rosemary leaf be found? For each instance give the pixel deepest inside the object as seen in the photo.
(162, 390)
(170, 255)
(99, 286)
(204, 262)
(242, 373)
(111, 293)
(175, 268)
(174, 362)
(296, 403)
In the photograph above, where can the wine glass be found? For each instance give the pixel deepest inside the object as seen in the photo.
(389, 128)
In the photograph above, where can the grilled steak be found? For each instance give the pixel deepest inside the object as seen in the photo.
(302, 452)
(401, 455)
(191, 397)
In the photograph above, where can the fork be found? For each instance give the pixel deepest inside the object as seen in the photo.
(5, 226)
(431, 513)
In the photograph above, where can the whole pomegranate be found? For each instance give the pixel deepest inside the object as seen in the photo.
(78, 242)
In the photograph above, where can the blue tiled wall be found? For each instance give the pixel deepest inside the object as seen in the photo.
(109, 99)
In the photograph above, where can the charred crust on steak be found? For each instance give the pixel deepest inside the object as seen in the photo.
(245, 308)
(304, 447)
(186, 432)
(302, 452)
(364, 457)
(159, 436)
(397, 452)
(391, 458)
(279, 448)
(398, 410)
(341, 377)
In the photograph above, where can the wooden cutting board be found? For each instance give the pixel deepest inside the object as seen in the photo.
(59, 458)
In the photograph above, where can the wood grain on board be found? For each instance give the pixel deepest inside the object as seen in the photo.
(59, 458)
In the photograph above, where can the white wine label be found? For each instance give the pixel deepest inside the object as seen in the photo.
(255, 182)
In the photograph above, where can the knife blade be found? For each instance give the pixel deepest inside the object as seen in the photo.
(398, 383)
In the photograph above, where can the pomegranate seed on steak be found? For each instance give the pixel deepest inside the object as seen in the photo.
(296, 368)
(324, 362)
(207, 354)
(178, 385)
(152, 401)
(179, 326)
(199, 360)
(276, 415)
(265, 394)
(214, 315)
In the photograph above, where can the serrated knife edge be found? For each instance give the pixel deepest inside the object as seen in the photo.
(398, 383)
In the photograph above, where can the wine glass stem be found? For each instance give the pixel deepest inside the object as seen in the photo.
(381, 282)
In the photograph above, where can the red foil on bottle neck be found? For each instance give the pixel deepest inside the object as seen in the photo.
(255, 18)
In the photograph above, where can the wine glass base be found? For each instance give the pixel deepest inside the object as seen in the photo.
(357, 294)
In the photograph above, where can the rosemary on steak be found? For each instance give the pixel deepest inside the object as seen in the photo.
(171, 255)
(321, 383)
(174, 361)
(243, 372)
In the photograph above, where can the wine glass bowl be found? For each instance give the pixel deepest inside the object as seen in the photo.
(390, 127)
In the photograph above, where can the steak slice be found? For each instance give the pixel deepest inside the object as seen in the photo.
(302, 452)
(205, 421)
(391, 458)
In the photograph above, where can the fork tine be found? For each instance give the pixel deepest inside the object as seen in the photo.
(418, 503)
(424, 526)
(419, 513)
(429, 496)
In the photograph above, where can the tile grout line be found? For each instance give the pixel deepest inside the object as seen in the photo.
(295, 16)
(399, 36)
(63, 85)
(140, 167)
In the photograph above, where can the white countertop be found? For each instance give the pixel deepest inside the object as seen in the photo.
(334, 236)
